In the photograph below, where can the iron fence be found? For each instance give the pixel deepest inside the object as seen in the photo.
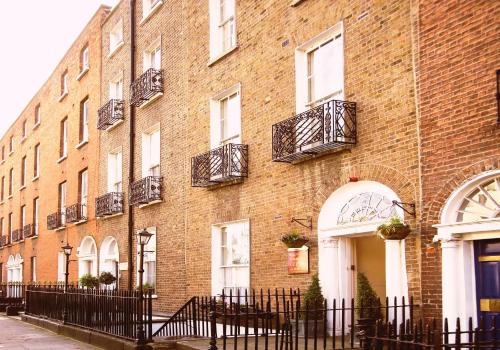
(224, 163)
(17, 235)
(30, 230)
(115, 312)
(325, 127)
(146, 86)
(110, 113)
(4, 240)
(55, 220)
(146, 190)
(76, 213)
(109, 204)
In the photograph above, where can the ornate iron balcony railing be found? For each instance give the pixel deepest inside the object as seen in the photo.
(55, 220)
(145, 191)
(76, 213)
(4, 240)
(30, 230)
(109, 204)
(146, 86)
(222, 164)
(325, 127)
(17, 235)
(110, 113)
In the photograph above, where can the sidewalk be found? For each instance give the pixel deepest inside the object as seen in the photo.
(17, 335)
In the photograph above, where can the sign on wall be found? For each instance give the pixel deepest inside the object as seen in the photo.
(298, 260)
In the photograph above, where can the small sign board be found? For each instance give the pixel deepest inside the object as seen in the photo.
(123, 266)
(298, 260)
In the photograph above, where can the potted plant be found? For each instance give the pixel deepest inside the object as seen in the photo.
(107, 278)
(294, 239)
(89, 281)
(313, 305)
(395, 229)
(368, 308)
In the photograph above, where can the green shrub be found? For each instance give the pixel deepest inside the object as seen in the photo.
(313, 298)
(107, 278)
(367, 302)
(89, 281)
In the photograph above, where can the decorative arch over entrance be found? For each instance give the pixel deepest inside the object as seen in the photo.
(87, 257)
(109, 257)
(347, 243)
(15, 268)
(470, 221)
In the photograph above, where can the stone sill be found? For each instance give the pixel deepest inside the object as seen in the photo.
(295, 3)
(109, 216)
(116, 48)
(35, 178)
(81, 144)
(60, 228)
(151, 100)
(22, 188)
(151, 12)
(150, 203)
(24, 139)
(36, 126)
(11, 153)
(82, 73)
(221, 56)
(62, 96)
(61, 159)
(111, 127)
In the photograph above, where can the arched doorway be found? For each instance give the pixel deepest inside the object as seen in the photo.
(109, 257)
(469, 232)
(347, 243)
(14, 274)
(87, 257)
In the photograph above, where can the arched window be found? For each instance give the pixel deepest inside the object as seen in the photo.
(366, 206)
(482, 202)
(14, 273)
(109, 256)
(87, 257)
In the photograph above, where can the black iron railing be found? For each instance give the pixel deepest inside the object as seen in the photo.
(146, 86)
(109, 204)
(326, 127)
(4, 240)
(110, 113)
(114, 312)
(55, 220)
(146, 190)
(76, 213)
(222, 164)
(17, 235)
(29, 231)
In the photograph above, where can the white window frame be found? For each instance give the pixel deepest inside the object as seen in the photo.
(116, 37)
(23, 217)
(115, 171)
(84, 191)
(217, 119)
(150, 259)
(218, 268)
(150, 165)
(219, 44)
(23, 172)
(301, 68)
(65, 137)
(61, 266)
(25, 129)
(116, 88)
(62, 200)
(33, 268)
(65, 84)
(85, 121)
(36, 213)
(149, 7)
(38, 115)
(36, 161)
(152, 55)
(85, 58)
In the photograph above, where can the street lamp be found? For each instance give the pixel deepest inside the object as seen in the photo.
(143, 238)
(67, 251)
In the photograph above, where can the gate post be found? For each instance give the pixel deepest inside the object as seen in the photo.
(213, 326)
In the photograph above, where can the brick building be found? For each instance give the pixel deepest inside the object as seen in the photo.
(48, 168)
(459, 59)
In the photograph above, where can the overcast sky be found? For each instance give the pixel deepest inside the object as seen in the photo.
(34, 36)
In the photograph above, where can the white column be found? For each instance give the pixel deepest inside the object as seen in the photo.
(329, 273)
(450, 279)
(396, 284)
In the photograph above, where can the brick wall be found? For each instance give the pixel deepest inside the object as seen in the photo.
(459, 53)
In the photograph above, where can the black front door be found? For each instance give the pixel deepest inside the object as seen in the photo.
(487, 255)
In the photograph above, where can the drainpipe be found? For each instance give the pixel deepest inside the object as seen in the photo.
(131, 148)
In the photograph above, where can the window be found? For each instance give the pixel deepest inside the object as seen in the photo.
(84, 58)
(151, 153)
(62, 202)
(61, 268)
(148, 6)
(116, 36)
(2, 228)
(3, 153)
(63, 142)
(116, 89)
(11, 144)
(37, 115)
(25, 129)
(230, 257)
(225, 118)
(319, 67)
(23, 172)
(2, 189)
(11, 217)
(152, 56)
(11, 181)
(36, 162)
(64, 83)
(36, 210)
(149, 276)
(84, 120)
(115, 172)
(222, 27)
(83, 191)
(33, 268)
(23, 217)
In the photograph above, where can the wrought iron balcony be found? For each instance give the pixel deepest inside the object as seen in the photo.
(4, 240)
(222, 164)
(55, 220)
(76, 213)
(323, 128)
(146, 86)
(17, 235)
(145, 191)
(30, 230)
(109, 204)
(110, 113)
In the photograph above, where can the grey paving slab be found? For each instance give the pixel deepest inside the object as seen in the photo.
(18, 335)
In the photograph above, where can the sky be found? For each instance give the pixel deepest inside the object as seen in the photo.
(34, 36)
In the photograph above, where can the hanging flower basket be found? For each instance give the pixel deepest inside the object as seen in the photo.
(294, 240)
(394, 229)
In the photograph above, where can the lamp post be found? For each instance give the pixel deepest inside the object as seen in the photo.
(67, 252)
(143, 239)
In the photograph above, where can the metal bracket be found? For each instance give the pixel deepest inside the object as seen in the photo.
(402, 205)
(308, 221)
